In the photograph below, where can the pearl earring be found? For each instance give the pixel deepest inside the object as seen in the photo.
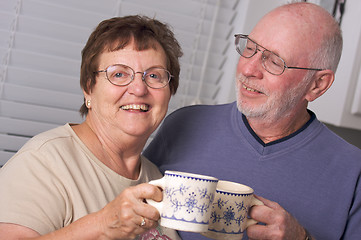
(88, 103)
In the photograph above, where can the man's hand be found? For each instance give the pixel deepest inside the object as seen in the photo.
(279, 223)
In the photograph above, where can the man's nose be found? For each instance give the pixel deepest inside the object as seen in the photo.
(251, 67)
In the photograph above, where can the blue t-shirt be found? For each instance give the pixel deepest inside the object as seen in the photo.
(313, 173)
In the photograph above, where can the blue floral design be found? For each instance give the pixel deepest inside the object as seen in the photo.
(240, 206)
(191, 203)
(183, 189)
(215, 217)
(221, 203)
(229, 215)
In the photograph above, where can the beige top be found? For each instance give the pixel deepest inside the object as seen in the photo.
(54, 180)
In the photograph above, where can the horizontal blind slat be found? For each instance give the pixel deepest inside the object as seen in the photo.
(5, 156)
(38, 113)
(47, 63)
(50, 29)
(44, 80)
(48, 46)
(102, 7)
(6, 19)
(23, 127)
(62, 13)
(12, 143)
(42, 97)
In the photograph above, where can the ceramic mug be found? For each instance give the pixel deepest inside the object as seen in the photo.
(229, 217)
(187, 200)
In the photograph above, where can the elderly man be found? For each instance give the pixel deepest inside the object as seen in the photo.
(307, 177)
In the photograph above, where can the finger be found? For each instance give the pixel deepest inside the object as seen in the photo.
(143, 222)
(271, 213)
(148, 191)
(148, 223)
(147, 211)
(261, 213)
(257, 232)
(268, 202)
(129, 229)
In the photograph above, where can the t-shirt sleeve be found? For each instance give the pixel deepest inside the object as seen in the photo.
(31, 194)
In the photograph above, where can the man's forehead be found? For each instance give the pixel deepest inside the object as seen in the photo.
(279, 34)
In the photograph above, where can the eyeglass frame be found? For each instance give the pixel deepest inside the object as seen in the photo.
(144, 73)
(244, 36)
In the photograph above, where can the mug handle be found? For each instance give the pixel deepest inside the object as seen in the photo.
(251, 221)
(158, 205)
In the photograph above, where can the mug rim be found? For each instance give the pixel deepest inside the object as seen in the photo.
(190, 175)
(233, 188)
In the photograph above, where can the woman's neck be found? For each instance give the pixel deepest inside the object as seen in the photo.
(122, 157)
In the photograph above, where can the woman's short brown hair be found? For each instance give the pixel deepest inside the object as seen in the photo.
(116, 33)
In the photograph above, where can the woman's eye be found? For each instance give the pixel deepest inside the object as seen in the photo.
(118, 75)
(153, 75)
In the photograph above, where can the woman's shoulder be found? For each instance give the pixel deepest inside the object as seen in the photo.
(41, 139)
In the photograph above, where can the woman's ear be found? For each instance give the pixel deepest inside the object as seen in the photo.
(321, 83)
(87, 96)
(88, 89)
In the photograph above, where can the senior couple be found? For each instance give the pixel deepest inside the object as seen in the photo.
(89, 180)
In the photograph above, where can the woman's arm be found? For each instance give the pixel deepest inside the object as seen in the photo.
(120, 219)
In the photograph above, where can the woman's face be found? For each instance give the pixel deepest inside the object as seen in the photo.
(135, 109)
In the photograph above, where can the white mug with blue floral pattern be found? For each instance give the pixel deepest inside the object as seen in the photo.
(187, 200)
(229, 215)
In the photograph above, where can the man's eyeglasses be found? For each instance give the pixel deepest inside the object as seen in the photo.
(122, 75)
(271, 62)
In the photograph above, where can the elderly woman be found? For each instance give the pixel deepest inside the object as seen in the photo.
(84, 181)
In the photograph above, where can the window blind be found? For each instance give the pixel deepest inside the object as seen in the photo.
(40, 45)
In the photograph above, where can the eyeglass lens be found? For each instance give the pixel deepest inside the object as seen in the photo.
(122, 75)
(270, 61)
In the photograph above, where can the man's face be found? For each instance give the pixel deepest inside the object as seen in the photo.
(261, 94)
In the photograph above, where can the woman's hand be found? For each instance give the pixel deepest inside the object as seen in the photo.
(122, 218)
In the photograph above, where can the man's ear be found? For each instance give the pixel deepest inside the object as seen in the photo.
(321, 83)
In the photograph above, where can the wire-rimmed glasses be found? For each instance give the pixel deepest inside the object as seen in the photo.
(122, 75)
(271, 62)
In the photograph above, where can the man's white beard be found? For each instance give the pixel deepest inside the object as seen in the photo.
(278, 105)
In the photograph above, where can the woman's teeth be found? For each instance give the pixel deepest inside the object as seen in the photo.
(141, 107)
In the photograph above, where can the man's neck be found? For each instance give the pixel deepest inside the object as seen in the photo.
(272, 130)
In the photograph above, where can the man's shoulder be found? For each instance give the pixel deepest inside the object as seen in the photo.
(203, 111)
(338, 147)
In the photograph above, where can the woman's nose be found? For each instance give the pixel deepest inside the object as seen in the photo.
(138, 86)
